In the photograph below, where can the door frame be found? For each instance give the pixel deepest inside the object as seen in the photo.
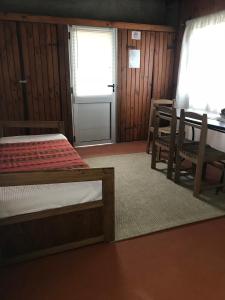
(113, 114)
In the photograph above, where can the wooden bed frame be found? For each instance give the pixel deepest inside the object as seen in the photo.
(54, 230)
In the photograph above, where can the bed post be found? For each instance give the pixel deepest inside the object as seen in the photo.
(108, 196)
(1, 131)
(61, 127)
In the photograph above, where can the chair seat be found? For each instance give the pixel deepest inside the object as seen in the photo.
(211, 154)
(165, 130)
(165, 141)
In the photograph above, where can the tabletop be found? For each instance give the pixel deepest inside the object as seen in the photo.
(215, 121)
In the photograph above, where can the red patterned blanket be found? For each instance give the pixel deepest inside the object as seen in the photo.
(34, 156)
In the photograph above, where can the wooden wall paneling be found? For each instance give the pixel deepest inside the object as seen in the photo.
(146, 78)
(25, 62)
(11, 94)
(141, 83)
(149, 65)
(28, 55)
(156, 72)
(165, 60)
(50, 72)
(46, 65)
(5, 92)
(44, 68)
(131, 125)
(154, 79)
(122, 84)
(137, 121)
(37, 53)
(64, 71)
(45, 60)
(124, 81)
(83, 22)
(167, 63)
(148, 72)
(118, 90)
(55, 45)
(171, 52)
(128, 92)
(42, 100)
(163, 66)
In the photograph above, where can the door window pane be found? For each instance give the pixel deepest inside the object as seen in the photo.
(92, 61)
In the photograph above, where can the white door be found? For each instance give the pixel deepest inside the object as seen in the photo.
(93, 53)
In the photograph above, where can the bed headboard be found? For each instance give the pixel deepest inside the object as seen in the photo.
(59, 125)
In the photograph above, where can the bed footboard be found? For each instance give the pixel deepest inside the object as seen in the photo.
(54, 230)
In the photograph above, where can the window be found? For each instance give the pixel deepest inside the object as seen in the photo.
(92, 61)
(201, 83)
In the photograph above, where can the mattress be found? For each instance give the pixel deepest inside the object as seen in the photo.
(52, 154)
(17, 200)
(31, 138)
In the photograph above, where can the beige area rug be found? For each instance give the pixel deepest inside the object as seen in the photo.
(146, 201)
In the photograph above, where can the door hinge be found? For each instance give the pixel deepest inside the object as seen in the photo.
(74, 139)
(69, 35)
(71, 90)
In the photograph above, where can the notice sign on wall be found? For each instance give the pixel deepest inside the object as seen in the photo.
(134, 58)
(136, 35)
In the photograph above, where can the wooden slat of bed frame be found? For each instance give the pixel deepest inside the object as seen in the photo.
(58, 176)
(50, 212)
(58, 125)
(38, 236)
(53, 250)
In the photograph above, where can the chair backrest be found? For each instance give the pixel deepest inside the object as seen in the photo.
(158, 103)
(168, 114)
(193, 120)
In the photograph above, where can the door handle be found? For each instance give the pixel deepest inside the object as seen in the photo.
(113, 86)
(22, 81)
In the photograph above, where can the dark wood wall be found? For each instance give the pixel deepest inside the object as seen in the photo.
(192, 9)
(38, 54)
(136, 87)
(35, 49)
(140, 11)
(11, 93)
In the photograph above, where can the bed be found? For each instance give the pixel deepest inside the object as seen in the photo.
(50, 200)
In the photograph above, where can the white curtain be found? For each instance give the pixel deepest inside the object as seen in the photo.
(201, 81)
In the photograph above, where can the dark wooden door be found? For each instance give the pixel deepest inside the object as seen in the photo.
(41, 70)
(37, 55)
(11, 90)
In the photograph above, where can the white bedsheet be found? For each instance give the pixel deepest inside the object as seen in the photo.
(17, 200)
(31, 138)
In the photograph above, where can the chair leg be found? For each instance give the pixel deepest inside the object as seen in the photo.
(178, 168)
(148, 143)
(198, 179)
(154, 156)
(223, 180)
(204, 169)
(159, 154)
(170, 164)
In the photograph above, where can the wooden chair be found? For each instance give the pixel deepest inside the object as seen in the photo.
(163, 130)
(221, 166)
(198, 153)
(168, 142)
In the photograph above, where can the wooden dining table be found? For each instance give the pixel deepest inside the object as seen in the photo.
(215, 121)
